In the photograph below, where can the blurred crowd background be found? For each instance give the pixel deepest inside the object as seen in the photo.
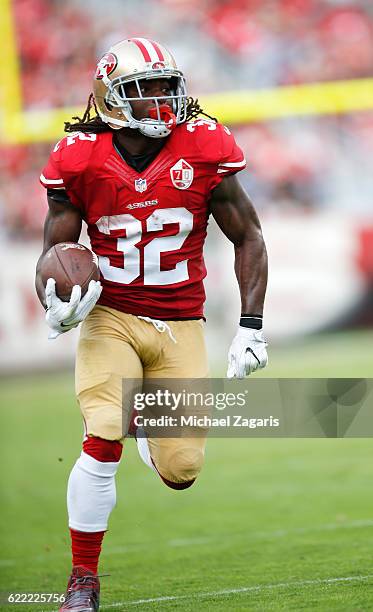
(308, 167)
(232, 45)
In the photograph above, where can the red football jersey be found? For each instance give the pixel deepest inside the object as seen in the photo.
(147, 228)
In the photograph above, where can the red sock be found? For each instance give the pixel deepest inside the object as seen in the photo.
(86, 548)
(103, 450)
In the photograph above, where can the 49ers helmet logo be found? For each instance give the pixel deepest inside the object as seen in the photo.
(182, 174)
(106, 65)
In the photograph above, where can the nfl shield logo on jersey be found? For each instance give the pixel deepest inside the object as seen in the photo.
(182, 174)
(140, 185)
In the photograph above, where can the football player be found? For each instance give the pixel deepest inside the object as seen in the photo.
(144, 173)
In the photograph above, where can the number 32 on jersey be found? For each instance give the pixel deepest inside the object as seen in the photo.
(153, 275)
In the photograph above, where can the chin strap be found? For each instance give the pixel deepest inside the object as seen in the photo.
(162, 113)
(115, 124)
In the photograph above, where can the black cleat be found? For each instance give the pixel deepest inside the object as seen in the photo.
(83, 592)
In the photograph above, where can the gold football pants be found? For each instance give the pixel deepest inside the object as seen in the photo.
(115, 346)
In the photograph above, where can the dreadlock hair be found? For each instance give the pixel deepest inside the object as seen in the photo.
(87, 123)
(95, 125)
(194, 110)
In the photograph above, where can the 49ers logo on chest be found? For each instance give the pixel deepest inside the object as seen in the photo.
(182, 174)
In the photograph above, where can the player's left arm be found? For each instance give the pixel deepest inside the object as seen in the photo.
(235, 214)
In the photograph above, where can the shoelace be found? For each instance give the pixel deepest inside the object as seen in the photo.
(160, 326)
(85, 581)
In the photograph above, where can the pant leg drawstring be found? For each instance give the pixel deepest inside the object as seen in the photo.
(160, 326)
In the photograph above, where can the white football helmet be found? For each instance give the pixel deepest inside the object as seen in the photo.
(130, 61)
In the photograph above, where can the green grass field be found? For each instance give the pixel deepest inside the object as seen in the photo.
(270, 524)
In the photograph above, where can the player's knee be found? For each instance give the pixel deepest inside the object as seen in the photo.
(183, 467)
(103, 450)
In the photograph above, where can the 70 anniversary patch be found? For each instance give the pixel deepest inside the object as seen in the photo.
(182, 174)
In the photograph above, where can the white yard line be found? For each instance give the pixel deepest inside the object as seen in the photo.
(200, 541)
(223, 593)
(249, 589)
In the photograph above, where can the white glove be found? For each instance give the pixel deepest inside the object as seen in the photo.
(63, 316)
(247, 353)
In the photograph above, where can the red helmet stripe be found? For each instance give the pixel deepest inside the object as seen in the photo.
(158, 50)
(142, 48)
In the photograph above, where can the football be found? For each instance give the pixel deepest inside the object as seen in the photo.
(69, 263)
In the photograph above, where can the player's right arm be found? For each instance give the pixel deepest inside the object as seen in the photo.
(63, 223)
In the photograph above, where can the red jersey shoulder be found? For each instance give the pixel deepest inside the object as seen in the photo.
(214, 142)
(71, 156)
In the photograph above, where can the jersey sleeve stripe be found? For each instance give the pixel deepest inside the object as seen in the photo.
(46, 181)
(233, 164)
